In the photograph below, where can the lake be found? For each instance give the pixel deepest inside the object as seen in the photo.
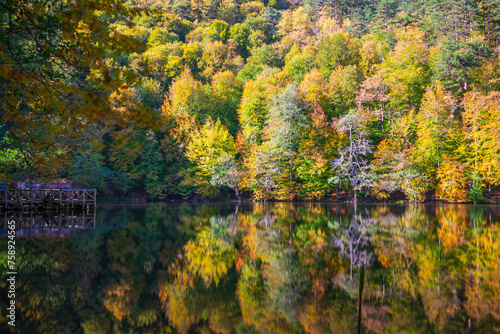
(260, 268)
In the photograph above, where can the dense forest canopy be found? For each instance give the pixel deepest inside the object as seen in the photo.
(281, 99)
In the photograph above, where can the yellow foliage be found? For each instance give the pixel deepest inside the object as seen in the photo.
(481, 121)
(435, 130)
(406, 68)
(173, 298)
(451, 230)
(209, 257)
(483, 287)
(185, 103)
(296, 26)
(117, 300)
(313, 89)
(208, 143)
(451, 180)
(372, 51)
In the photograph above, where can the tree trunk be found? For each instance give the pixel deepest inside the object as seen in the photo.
(383, 119)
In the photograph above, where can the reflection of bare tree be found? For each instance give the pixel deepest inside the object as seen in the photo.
(353, 241)
(267, 219)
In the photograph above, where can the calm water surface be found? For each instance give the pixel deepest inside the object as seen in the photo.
(260, 268)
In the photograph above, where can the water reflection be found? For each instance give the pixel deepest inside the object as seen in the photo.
(53, 223)
(279, 268)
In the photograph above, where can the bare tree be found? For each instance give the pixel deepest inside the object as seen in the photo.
(353, 241)
(353, 164)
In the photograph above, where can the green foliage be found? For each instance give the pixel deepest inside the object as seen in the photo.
(344, 86)
(337, 49)
(455, 61)
(261, 25)
(299, 66)
(476, 191)
(226, 93)
(12, 160)
(262, 57)
(285, 121)
(250, 72)
(152, 167)
(226, 173)
(256, 98)
(88, 169)
(265, 55)
(240, 34)
(161, 36)
(150, 92)
(219, 31)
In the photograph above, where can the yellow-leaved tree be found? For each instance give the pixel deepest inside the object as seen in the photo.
(436, 133)
(481, 147)
(405, 69)
(185, 104)
(451, 180)
(209, 148)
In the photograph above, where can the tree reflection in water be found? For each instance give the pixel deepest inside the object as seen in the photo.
(275, 267)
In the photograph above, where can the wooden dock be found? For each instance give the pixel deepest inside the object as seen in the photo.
(47, 199)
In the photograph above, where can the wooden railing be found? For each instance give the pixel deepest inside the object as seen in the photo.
(47, 199)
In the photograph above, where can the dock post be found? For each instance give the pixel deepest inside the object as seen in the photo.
(84, 198)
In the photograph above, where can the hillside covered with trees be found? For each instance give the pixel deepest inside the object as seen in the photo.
(280, 99)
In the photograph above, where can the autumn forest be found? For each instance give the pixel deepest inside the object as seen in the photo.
(270, 100)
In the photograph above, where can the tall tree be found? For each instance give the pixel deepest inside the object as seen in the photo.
(481, 146)
(405, 69)
(285, 123)
(206, 147)
(435, 131)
